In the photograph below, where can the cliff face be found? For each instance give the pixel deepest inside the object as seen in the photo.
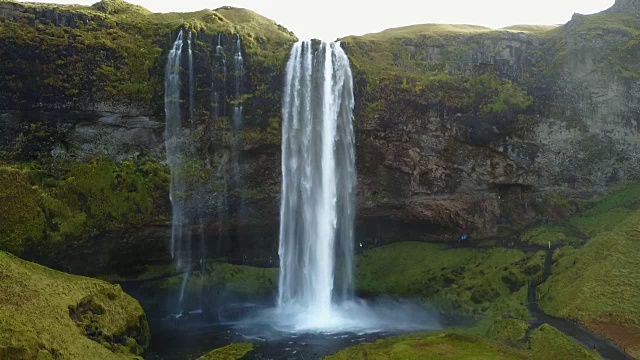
(625, 5)
(470, 128)
(459, 128)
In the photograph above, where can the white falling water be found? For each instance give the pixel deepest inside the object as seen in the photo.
(318, 183)
(192, 100)
(220, 79)
(173, 134)
(174, 141)
(239, 70)
(237, 119)
(219, 100)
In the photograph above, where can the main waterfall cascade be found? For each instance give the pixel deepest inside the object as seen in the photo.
(317, 210)
(318, 182)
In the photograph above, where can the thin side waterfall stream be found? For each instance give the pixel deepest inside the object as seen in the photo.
(238, 123)
(173, 131)
(176, 150)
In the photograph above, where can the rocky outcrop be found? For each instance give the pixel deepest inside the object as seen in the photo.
(625, 6)
(81, 134)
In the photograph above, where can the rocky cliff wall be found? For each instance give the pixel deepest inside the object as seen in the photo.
(459, 128)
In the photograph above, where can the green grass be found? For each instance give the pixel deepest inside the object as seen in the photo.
(468, 281)
(600, 281)
(424, 29)
(230, 352)
(431, 347)
(551, 234)
(51, 205)
(530, 28)
(21, 217)
(609, 211)
(36, 304)
(547, 343)
(237, 279)
(508, 330)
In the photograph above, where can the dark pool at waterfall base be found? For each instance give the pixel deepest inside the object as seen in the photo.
(274, 334)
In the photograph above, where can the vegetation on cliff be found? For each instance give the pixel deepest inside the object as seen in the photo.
(219, 279)
(46, 314)
(110, 55)
(463, 281)
(48, 207)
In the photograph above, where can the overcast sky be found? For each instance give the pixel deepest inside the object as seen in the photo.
(330, 19)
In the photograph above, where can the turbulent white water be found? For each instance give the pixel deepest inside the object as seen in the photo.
(318, 184)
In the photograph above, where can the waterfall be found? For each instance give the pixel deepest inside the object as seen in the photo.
(239, 70)
(237, 125)
(174, 142)
(219, 103)
(318, 181)
(219, 75)
(173, 130)
(192, 100)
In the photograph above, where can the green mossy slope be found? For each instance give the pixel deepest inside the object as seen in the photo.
(48, 206)
(46, 314)
(464, 281)
(111, 55)
(545, 343)
(238, 280)
(598, 284)
(21, 217)
(231, 352)
(430, 347)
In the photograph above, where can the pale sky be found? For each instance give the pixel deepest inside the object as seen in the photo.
(330, 19)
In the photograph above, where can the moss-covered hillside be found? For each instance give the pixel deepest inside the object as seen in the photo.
(546, 343)
(598, 285)
(45, 314)
(48, 210)
(594, 277)
(231, 352)
(111, 56)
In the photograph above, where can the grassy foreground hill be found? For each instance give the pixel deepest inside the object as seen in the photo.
(46, 315)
